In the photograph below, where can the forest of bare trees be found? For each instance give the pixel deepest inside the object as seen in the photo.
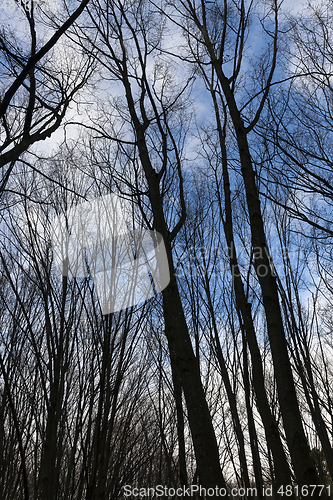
(212, 123)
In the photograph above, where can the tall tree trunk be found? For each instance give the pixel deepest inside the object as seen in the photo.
(230, 393)
(282, 473)
(303, 363)
(179, 342)
(48, 480)
(252, 428)
(180, 423)
(181, 352)
(299, 449)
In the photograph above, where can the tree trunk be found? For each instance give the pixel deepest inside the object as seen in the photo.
(180, 423)
(179, 342)
(299, 450)
(181, 352)
(282, 473)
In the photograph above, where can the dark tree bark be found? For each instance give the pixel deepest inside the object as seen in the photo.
(282, 473)
(142, 112)
(297, 443)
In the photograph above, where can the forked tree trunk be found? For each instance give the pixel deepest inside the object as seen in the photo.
(281, 468)
(299, 449)
(179, 342)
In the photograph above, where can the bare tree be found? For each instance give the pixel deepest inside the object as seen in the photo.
(39, 91)
(214, 37)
